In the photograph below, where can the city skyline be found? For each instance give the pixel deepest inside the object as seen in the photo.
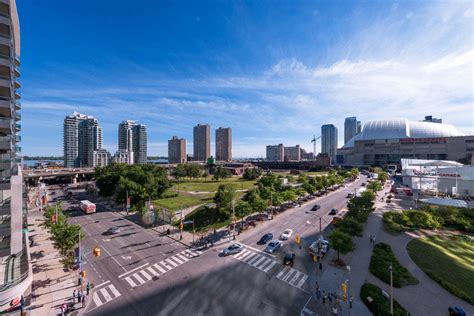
(299, 72)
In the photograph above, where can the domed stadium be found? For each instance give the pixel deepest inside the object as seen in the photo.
(385, 142)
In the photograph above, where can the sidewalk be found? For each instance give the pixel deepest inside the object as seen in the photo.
(52, 286)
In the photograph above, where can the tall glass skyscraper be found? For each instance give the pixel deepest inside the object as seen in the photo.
(329, 140)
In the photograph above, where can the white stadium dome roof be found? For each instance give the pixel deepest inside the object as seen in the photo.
(402, 128)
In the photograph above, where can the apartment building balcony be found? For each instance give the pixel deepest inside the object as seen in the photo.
(17, 72)
(5, 207)
(17, 95)
(5, 142)
(6, 125)
(17, 127)
(18, 117)
(17, 105)
(17, 60)
(17, 84)
(15, 274)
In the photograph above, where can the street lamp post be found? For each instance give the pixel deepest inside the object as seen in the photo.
(233, 219)
(348, 298)
(391, 289)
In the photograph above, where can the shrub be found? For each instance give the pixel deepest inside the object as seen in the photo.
(380, 305)
(382, 258)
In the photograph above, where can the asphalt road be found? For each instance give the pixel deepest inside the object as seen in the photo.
(140, 272)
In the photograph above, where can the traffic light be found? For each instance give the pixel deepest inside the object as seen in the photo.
(181, 225)
(83, 274)
(344, 288)
(96, 252)
(298, 239)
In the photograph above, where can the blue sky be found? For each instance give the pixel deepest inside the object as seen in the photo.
(274, 71)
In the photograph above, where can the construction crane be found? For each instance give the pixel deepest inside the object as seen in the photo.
(314, 140)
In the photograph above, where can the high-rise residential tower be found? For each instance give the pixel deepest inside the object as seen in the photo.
(82, 136)
(201, 142)
(223, 144)
(14, 250)
(275, 152)
(352, 127)
(329, 140)
(176, 150)
(132, 137)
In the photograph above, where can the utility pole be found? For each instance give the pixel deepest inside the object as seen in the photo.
(233, 219)
(127, 201)
(391, 289)
(348, 297)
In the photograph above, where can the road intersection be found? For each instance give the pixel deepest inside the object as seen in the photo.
(142, 272)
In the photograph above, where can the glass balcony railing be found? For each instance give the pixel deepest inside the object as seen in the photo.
(18, 105)
(18, 127)
(18, 138)
(18, 117)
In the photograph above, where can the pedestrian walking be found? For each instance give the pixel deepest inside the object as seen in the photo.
(320, 266)
(79, 296)
(74, 297)
(324, 297)
(317, 285)
(318, 293)
(88, 288)
(350, 302)
(371, 238)
(330, 297)
(334, 310)
(83, 301)
(63, 309)
(22, 304)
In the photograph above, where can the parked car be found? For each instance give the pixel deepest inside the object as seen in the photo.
(350, 195)
(289, 259)
(315, 207)
(114, 230)
(273, 246)
(286, 234)
(319, 247)
(265, 238)
(333, 211)
(456, 311)
(363, 184)
(232, 249)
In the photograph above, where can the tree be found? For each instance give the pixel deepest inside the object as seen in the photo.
(289, 195)
(221, 173)
(180, 171)
(382, 177)
(309, 188)
(193, 171)
(251, 173)
(223, 198)
(243, 209)
(350, 226)
(354, 173)
(374, 186)
(341, 242)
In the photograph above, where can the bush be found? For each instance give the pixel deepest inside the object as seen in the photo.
(380, 306)
(381, 259)
(399, 221)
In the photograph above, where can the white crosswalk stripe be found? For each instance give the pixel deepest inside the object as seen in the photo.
(293, 277)
(261, 262)
(146, 274)
(105, 295)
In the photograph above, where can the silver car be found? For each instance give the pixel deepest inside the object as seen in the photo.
(232, 249)
(273, 246)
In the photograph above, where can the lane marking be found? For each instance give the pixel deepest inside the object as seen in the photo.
(150, 269)
(175, 258)
(105, 249)
(182, 257)
(279, 275)
(126, 257)
(269, 267)
(106, 294)
(103, 283)
(114, 291)
(139, 279)
(146, 275)
(256, 263)
(97, 300)
(130, 281)
(171, 262)
(143, 265)
(159, 268)
(301, 282)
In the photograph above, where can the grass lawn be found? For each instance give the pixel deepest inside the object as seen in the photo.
(206, 219)
(380, 306)
(449, 260)
(379, 266)
(212, 186)
(183, 201)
